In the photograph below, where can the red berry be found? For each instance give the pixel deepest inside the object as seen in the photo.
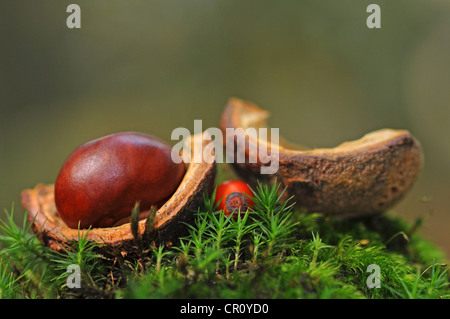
(233, 195)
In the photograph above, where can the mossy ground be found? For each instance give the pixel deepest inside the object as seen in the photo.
(273, 252)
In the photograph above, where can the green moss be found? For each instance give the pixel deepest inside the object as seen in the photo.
(272, 252)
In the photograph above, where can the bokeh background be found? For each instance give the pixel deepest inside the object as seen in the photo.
(153, 66)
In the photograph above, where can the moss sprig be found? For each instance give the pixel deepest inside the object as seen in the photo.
(270, 251)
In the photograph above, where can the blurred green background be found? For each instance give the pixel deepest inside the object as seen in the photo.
(153, 66)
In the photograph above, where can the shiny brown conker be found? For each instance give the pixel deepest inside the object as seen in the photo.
(101, 181)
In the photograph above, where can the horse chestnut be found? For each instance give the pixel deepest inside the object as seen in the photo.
(100, 182)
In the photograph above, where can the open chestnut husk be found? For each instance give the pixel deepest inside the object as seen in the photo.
(169, 218)
(357, 178)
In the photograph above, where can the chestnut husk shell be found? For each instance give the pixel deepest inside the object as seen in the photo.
(358, 178)
(170, 218)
